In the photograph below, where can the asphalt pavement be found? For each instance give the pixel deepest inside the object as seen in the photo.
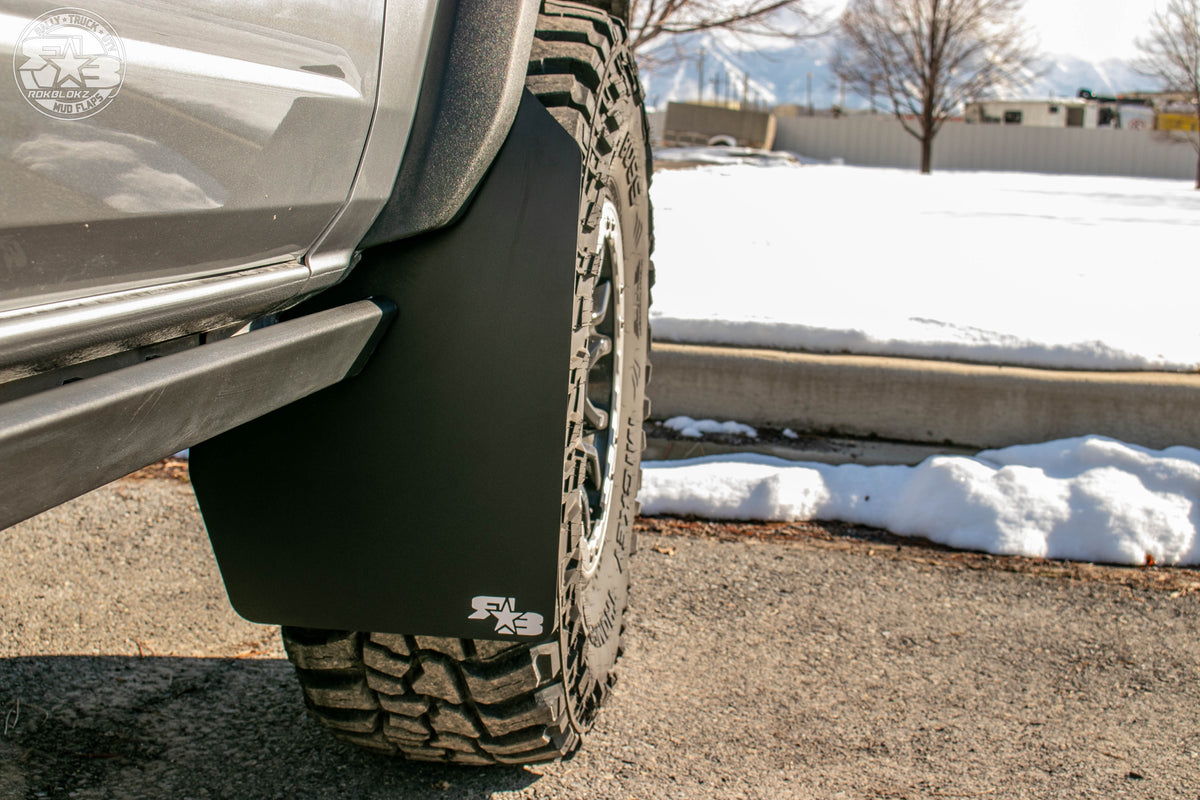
(768, 661)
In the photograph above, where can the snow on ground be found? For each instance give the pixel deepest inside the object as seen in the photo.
(1014, 268)
(695, 428)
(1088, 498)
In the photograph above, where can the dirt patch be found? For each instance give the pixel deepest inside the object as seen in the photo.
(874, 542)
(174, 469)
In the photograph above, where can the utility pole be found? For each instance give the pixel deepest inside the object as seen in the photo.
(745, 89)
(808, 93)
(700, 81)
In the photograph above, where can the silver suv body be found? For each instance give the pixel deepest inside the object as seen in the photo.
(170, 173)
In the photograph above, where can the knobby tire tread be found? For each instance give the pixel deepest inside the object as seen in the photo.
(478, 701)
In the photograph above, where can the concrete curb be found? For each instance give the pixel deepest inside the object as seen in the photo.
(912, 400)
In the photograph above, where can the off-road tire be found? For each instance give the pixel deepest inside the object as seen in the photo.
(485, 702)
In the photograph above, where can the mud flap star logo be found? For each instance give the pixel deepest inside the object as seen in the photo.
(508, 619)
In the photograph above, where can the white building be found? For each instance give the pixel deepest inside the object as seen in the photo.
(1070, 112)
(1064, 112)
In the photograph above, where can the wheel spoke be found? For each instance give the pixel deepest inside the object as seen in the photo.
(596, 417)
(600, 298)
(598, 347)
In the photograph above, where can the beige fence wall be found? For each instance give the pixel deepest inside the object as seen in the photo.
(657, 120)
(694, 124)
(879, 140)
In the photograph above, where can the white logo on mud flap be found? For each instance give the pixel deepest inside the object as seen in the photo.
(508, 619)
(69, 63)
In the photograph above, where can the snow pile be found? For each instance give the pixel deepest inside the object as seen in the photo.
(695, 428)
(1089, 498)
(1074, 272)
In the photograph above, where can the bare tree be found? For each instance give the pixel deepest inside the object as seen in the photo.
(653, 21)
(1171, 53)
(928, 57)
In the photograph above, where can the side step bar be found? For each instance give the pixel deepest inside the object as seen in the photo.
(60, 443)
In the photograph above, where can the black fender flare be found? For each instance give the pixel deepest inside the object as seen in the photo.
(470, 91)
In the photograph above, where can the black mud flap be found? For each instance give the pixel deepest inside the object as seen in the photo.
(424, 495)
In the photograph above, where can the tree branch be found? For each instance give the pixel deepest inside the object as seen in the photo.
(931, 55)
(653, 20)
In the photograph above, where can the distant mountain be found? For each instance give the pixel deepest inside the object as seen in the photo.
(1064, 76)
(775, 73)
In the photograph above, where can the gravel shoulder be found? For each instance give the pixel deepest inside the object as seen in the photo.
(809, 661)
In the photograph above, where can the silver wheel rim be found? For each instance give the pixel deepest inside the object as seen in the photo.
(606, 351)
